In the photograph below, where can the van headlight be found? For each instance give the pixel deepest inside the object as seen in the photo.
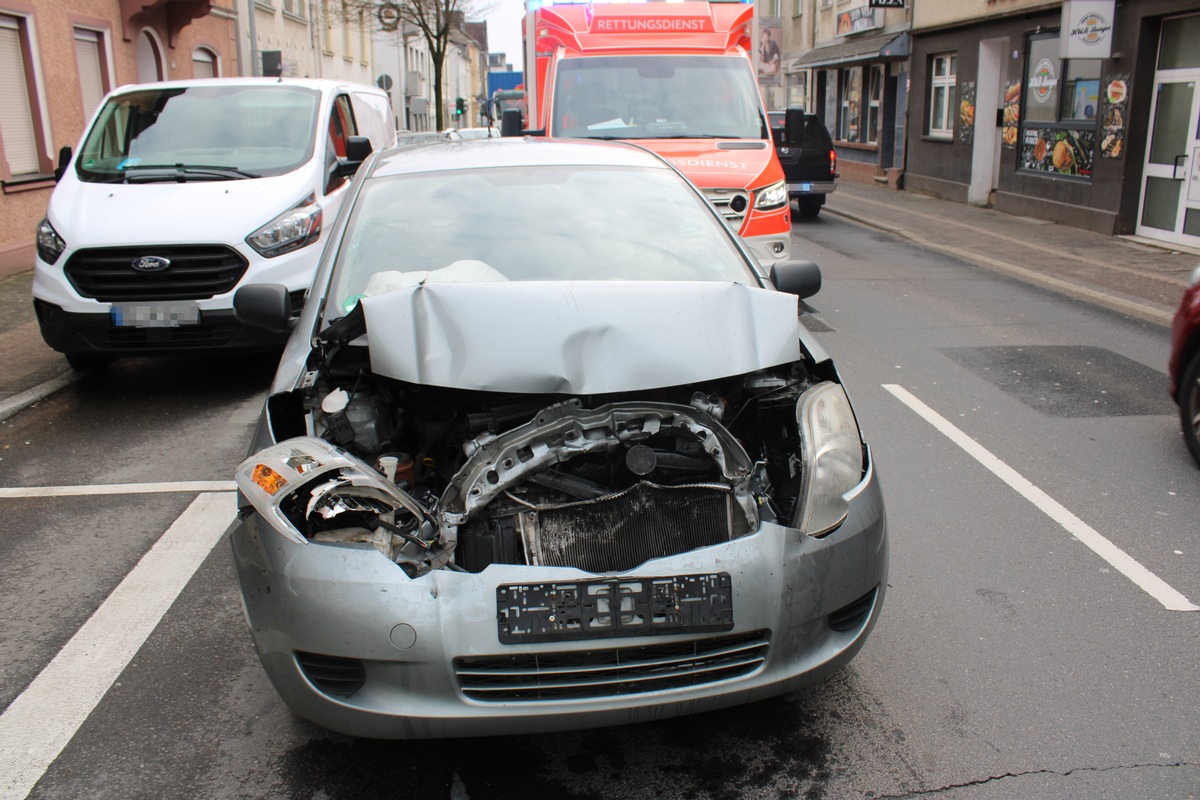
(297, 227)
(773, 196)
(49, 244)
(833, 457)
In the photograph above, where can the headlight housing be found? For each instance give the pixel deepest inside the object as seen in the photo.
(297, 227)
(773, 196)
(49, 244)
(833, 457)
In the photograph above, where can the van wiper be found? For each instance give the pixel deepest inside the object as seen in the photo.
(181, 172)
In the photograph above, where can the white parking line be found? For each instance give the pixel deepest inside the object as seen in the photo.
(1150, 583)
(119, 488)
(41, 721)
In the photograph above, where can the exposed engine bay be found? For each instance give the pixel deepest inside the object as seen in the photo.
(448, 478)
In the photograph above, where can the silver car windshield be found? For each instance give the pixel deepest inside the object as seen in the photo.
(544, 223)
(657, 97)
(200, 133)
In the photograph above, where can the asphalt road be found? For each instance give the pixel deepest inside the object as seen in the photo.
(1017, 657)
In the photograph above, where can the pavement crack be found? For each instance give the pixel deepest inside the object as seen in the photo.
(1025, 773)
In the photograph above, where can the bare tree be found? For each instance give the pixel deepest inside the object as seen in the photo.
(437, 21)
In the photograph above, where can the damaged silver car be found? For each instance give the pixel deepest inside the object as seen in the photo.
(548, 449)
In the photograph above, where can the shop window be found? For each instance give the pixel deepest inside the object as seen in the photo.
(942, 89)
(1058, 111)
(874, 96)
(23, 138)
(849, 104)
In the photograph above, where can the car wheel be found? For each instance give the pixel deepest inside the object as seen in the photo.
(809, 208)
(1189, 406)
(87, 363)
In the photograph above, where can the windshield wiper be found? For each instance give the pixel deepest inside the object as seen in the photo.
(181, 172)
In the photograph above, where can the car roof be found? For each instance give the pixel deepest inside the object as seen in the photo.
(448, 154)
(320, 84)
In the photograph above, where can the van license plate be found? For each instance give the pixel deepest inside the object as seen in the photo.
(155, 315)
(806, 187)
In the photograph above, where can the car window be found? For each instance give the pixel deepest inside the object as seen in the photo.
(534, 224)
(260, 130)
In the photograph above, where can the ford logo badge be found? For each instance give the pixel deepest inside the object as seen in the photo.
(151, 263)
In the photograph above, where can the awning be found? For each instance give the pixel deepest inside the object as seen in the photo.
(868, 48)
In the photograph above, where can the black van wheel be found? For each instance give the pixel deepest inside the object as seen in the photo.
(87, 363)
(809, 207)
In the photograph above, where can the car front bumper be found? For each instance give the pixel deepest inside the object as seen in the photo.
(317, 607)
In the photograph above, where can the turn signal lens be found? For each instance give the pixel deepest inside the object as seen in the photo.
(268, 479)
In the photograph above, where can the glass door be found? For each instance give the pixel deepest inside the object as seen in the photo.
(1170, 201)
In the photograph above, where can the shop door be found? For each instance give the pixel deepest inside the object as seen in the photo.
(1170, 203)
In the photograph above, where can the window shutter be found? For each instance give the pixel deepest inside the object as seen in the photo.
(202, 64)
(91, 75)
(16, 118)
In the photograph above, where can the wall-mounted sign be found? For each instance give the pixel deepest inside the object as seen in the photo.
(885, 3)
(859, 18)
(1087, 28)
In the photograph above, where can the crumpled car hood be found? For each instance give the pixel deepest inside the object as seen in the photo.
(577, 337)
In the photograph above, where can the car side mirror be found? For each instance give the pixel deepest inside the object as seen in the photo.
(264, 305)
(793, 126)
(801, 278)
(510, 122)
(358, 150)
(64, 158)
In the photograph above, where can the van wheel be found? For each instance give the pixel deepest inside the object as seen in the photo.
(808, 207)
(87, 363)
(1189, 406)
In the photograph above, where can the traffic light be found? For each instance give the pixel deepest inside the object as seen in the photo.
(460, 106)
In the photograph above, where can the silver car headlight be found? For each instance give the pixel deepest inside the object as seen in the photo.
(773, 196)
(297, 227)
(833, 457)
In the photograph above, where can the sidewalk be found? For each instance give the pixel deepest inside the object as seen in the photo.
(1118, 273)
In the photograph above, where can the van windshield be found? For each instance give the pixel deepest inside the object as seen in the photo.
(183, 133)
(657, 97)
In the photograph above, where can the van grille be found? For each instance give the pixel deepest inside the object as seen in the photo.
(196, 272)
(732, 203)
(615, 672)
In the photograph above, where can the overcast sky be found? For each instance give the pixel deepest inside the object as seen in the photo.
(504, 29)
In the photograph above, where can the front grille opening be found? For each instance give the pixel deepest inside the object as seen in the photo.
(575, 675)
(849, 617)
(333, 675)
(196, 272)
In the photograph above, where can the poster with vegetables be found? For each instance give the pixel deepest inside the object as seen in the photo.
(1062, 152)
(966, 114)
(1012, 115)
(1114, 100)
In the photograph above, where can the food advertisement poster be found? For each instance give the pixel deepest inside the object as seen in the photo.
(966, 113)
(1012, 115)
(1114, 102)
(1057, 151)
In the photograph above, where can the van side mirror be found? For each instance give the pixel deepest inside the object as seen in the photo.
(793, 126)
(801, 278)
(264, 305)
(510, 122)
(358, 150)
(64, 158)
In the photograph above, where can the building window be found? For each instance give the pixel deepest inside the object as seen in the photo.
(798, 8)
(204, 63)
(849, 104)
(874, 96)
(90, 60)
(1058, 111)
(149, 58)
(23, 138)
(942, 94)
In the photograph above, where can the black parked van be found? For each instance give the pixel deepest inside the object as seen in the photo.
(809, 164)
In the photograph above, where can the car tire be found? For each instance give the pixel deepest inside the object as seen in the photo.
(809, 208)
(87, 363)
(1189, 405)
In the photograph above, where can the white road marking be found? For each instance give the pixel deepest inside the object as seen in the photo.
(1150, 583)
(42, 720)
(119, 488)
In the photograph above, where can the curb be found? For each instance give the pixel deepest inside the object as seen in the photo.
(19, 402)
(1122, 305)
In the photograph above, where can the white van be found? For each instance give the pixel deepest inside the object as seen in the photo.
(182, 191)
